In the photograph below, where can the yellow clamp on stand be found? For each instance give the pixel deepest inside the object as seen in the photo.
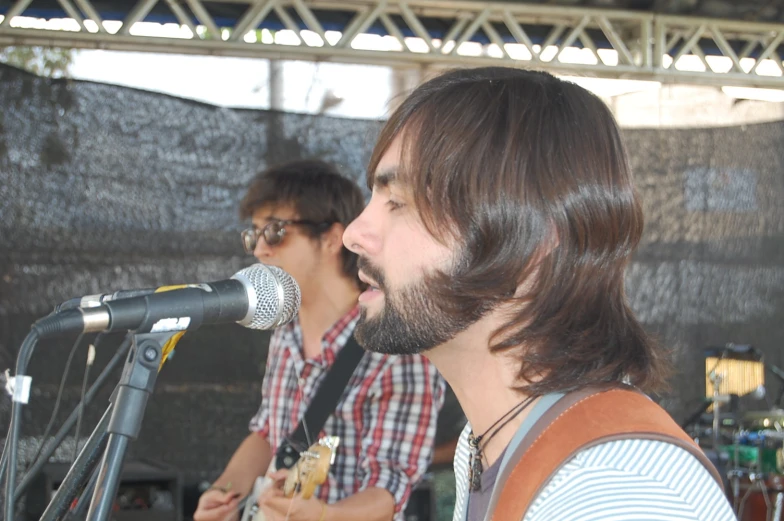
(169, 346)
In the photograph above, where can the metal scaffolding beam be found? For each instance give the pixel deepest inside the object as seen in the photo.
(594, 42)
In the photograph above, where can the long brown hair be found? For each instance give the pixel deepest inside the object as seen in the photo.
(528, 174)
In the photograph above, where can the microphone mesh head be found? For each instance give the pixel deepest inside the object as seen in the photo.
(273, 296)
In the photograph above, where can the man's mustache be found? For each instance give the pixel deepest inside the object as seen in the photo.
(372, 271)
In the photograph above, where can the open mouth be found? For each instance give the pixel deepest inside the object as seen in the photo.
(372, 285)
(373, 290)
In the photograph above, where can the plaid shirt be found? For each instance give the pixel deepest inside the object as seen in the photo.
(386, 417)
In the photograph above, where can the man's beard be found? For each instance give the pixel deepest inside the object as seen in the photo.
(411, 321)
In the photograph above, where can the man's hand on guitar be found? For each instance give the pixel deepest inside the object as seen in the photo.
(218, 505)
(277, 507)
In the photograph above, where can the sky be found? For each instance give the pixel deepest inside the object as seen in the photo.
(242, 82)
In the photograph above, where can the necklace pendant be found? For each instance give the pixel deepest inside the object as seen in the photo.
(474, 463)
(475, 472)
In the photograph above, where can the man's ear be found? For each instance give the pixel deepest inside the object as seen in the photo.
(332, 239)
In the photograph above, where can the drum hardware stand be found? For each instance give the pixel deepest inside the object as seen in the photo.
(717, 400)
(735, 473)
(756, 480)
(779, 507)
(734, 476)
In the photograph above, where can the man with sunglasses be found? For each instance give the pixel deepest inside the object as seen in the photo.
(386, 416)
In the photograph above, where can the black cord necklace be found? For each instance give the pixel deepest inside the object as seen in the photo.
(476, 446)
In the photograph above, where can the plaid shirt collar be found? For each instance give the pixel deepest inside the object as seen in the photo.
(331, 343)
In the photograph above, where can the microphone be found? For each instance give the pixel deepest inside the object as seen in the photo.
(257, 297)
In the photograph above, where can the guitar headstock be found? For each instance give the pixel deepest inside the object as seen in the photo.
(312, 468)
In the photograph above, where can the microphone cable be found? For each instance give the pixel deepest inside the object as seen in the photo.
(80, 413)
(58, 400)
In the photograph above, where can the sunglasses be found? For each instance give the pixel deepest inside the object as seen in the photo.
(273, 232)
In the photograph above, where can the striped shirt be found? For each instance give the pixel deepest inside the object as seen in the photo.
(625, 480)
(386, 417)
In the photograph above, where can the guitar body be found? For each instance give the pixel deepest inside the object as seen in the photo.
(251, 511)
(310, 471)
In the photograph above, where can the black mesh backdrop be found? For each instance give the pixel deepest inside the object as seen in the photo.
(104, 188)
(710, 269)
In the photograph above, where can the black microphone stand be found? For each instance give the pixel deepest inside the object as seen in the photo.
(780, 374)
(85, 462)
(135, 387)
(696, 415)
(119, 425)
(79, 509)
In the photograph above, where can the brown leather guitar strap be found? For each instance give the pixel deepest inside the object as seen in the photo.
(577, 421)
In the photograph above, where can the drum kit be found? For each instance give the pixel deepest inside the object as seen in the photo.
(747, 447)
(756, 466)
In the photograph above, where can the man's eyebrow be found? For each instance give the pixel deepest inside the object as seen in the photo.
(385, 178)
(269, 218)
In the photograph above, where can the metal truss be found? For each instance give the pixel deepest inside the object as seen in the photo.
(594, 42)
